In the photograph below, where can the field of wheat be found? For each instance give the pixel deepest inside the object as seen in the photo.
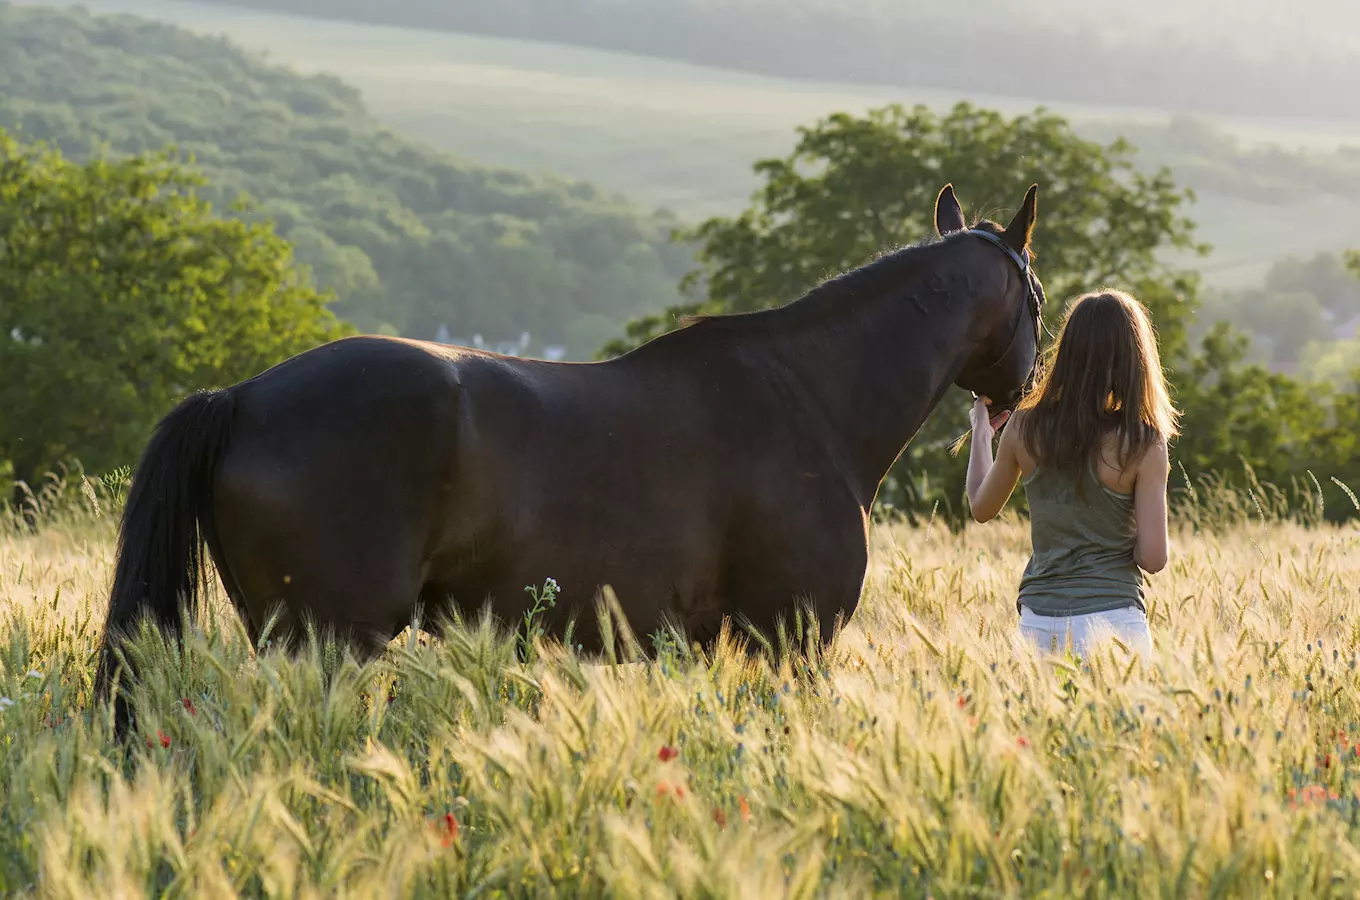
(928, 753)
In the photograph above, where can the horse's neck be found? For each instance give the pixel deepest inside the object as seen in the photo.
(876, 377)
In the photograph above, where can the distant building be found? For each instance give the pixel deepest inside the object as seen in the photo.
(520, 347)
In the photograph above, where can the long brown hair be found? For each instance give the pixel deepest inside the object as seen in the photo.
(1105, 376)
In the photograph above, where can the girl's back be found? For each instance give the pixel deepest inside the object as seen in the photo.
(1090, 444)
(1083, 545)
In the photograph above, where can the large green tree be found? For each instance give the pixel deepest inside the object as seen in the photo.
(856, 186)
(121, 292)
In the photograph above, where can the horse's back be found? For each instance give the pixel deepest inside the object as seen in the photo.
(346, 374)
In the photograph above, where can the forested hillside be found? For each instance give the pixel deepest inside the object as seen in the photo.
(409, 238)
(1238, 58)
(1303, 314)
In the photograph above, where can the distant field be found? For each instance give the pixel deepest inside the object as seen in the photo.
(677, 135)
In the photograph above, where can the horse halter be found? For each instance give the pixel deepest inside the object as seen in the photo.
(1034, 289)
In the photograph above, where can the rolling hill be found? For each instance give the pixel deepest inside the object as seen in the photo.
(411, 238)
(684, 137)
(1209, 56)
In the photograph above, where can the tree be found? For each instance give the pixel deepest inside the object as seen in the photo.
(1243, 420)
(1325, 276)
(1237, 411)
(1285, 321)
(857, 186)
(121, 292)
(1294, 317)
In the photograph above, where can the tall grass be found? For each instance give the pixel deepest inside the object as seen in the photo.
(928, 753)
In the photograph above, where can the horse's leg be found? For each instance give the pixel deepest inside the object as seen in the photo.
(231, 587)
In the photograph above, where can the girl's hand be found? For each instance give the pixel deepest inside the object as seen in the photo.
(984, 422)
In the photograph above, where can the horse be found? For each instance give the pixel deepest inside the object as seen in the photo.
(723, 472)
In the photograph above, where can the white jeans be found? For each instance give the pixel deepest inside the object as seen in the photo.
(1086, 632)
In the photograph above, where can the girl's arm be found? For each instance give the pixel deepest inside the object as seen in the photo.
(1153, 545)
(990, 484)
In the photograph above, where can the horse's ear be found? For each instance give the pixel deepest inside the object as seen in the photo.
(948, 213)
(1021, 229)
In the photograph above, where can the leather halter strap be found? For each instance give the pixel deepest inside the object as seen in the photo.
(1035, 297)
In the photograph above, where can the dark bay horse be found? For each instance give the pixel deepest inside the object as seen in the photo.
(723, 471)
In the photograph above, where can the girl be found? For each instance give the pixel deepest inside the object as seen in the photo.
(1090, 442)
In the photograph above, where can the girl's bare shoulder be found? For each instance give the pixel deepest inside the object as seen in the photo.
(1120, 472)
(1157, 458)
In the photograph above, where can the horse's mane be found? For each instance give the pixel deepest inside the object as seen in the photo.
(830, 297)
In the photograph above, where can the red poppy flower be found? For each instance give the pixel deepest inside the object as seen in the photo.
(1022, 741)
(745, 809)
(165, 740)
(720, 817)
(665, 787)
(1312, 794)
(667, 753)
(450, 829)
(189, 706)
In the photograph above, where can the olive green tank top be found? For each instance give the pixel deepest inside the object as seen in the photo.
(1082, 558)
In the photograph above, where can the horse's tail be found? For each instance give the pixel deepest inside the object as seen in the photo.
(161, 561)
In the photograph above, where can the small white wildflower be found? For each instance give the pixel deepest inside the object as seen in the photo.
(34, 673)
(5, 703)
(552, 584)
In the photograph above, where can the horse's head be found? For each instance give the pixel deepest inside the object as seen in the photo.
(1004, 362)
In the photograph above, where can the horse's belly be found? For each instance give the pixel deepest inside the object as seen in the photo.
(654, 574)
